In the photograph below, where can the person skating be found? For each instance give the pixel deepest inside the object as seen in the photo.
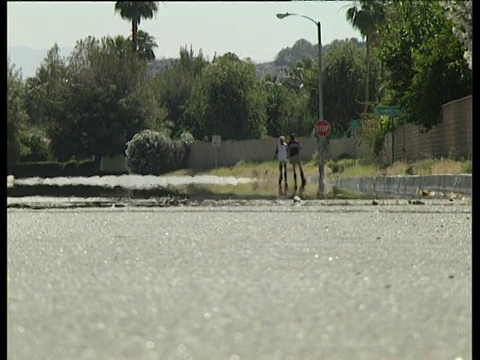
(281, 155)
(294, 148)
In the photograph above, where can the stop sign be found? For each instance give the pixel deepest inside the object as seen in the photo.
(322, 128)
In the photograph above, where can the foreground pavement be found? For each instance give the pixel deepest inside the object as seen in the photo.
(313, 280)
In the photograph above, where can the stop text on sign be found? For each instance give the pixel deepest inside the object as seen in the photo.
(322, 128)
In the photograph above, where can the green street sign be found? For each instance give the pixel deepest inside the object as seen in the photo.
(356, 124)
(390, 110)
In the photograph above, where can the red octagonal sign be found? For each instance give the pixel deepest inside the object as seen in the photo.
(322, 128)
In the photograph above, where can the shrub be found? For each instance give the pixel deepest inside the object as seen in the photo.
(154, 153)
(467, 167)
(186, 137)
(49, 169)
(37, 149)
(373, 132)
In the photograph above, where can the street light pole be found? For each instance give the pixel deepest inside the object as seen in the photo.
(321, 166)
(321, 139)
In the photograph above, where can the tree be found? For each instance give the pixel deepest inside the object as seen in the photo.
(229, 100)
(16, 113)
(460, 13)
(302, 80)
(96, 100)
(367, 16)
(344, 77)
(146, 46)
(174, 87)
(117, 99)
(44, 91)
(424, 61)
(287, 110)
(191, 62)
(135, 11)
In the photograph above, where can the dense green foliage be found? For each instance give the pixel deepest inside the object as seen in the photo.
(173, 89)
(16, 113)
(287, 110)
(424, 61)
(229, 100)
(37, 148)
(343, 85)
(367, 17)
(94, 101)
(422, 65)
(146, 45)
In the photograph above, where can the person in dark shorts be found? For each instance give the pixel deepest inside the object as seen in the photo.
(281, 154)
(294, 148)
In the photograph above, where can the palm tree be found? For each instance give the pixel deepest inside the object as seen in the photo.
(135, 11)
(367, 18)
(146, 45)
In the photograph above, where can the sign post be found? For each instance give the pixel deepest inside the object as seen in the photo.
(322, 130)
(216, 142)
(355, 126)
(393, 111)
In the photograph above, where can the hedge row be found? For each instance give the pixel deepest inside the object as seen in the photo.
(48, 169)
(88, 191)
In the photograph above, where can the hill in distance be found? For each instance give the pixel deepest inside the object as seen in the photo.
(28, 60)
(290, 55)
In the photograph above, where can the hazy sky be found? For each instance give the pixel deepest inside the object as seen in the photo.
(249, 29)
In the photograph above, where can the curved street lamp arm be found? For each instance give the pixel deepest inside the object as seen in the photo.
(282, 16)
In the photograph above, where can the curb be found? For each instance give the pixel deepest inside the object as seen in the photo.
(407, 185)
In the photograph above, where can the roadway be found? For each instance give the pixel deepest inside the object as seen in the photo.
(241, 281)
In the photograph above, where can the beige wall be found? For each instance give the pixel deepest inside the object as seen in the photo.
(451, 138)
(230, 152)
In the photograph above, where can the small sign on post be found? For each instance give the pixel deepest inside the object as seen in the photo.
(216, 142)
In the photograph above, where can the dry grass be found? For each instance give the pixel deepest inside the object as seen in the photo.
(429, 167)
(342, 168)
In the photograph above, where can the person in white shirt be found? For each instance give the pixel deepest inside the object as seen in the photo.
(281, 154)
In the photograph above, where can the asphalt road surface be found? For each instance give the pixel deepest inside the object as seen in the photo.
(339, 282)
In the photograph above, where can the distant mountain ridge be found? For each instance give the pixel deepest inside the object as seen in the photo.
(158, 66)
(28, 60)
(289, 55)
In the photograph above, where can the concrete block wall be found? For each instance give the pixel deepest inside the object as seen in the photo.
(450, 138)
(230, 152)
